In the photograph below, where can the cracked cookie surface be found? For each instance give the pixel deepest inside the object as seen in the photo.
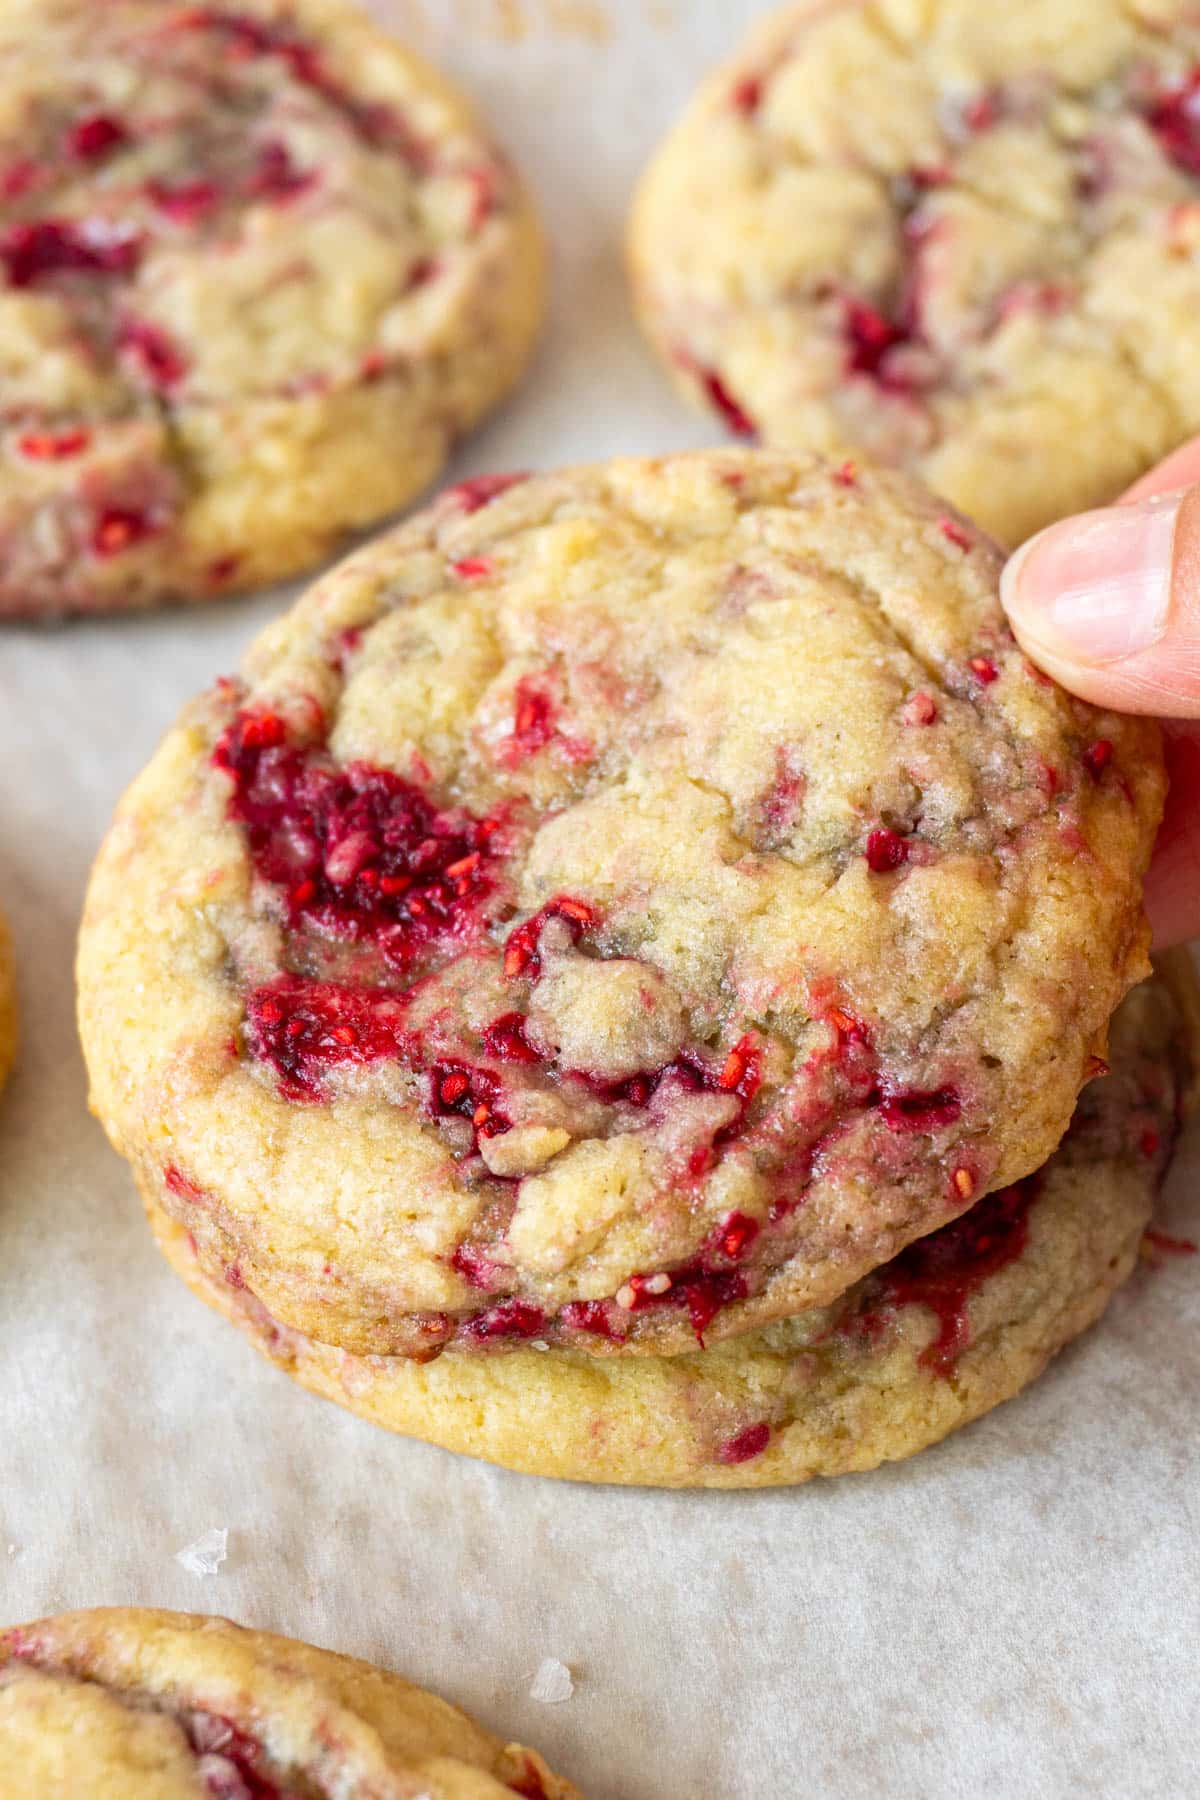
(959, 1322)
(962, 239)
(125, 1701)
(260, 268)
(617, 908)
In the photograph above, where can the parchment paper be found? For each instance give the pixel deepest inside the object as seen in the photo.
(1013, 1613)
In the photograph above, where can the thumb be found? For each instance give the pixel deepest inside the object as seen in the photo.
(1109, 604)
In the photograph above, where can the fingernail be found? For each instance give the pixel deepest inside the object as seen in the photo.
(1097, 589)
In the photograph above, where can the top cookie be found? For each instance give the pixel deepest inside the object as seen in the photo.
(124, 1703)
(962, 237)
(259, 269)
(618, 907)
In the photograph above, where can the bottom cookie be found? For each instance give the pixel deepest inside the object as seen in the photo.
(961, 1321)
(8, 1004)
(171, 1706)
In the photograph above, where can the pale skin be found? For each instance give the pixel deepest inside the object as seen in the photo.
(1109, 604)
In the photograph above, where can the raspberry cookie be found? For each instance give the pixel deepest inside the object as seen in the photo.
(8, 1004)
(963, 239)
(618, 908)
(122, 1703)
(260, 269)
(960, 1321)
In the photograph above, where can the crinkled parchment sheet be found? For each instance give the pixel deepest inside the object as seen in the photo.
(1012, 1614)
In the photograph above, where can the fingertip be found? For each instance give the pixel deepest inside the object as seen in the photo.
(1108, 603)
(1179, 470)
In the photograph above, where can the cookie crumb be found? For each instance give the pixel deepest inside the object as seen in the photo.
(206, 1555)
(552, 1684)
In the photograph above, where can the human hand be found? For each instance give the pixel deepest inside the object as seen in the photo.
(1109, 604)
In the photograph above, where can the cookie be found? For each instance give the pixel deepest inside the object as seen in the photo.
(959, 1322)
(963, 240)
(618, 908)
(8, 1003)
(260, 269)
(127, 1702)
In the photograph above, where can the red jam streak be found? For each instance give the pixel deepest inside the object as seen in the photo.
(246, 37)
(598, 1318)
(152, 351)
(276, 177)
(745, 1446)
(471, 496)
(534, 722)
(120, 529)
(740, 1076)
(920, 709)
(37, 250)
(783, 802)
(506, 1039)
(704, 1286)
(473, 568)
(943, 1271)
(54, 446)
(185, 202)
(954, 533)
(1097, 757)
(95, 136)
(181, 1185)
(475, 1266)
(359, 853)
(910, 1110)
(529, 1783)
(1172, 1246)
(304, 1028)
(455, 1088)
(522, 952)
(870, 340)
(230, 1760)
(1175, 121)
(509, 1319)
(722, 401)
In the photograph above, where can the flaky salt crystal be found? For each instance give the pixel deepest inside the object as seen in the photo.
(552, 1684)
(206, 1555)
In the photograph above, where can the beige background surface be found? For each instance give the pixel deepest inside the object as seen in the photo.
(1012, 1614)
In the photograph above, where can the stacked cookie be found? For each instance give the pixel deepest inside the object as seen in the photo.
(603, 986)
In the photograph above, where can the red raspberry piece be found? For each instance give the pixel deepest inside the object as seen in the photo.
(93, 137)
(121, 528)
(745, 1446)
(54, 446)
(470, 496)
(886, 850)
(1097, 757)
